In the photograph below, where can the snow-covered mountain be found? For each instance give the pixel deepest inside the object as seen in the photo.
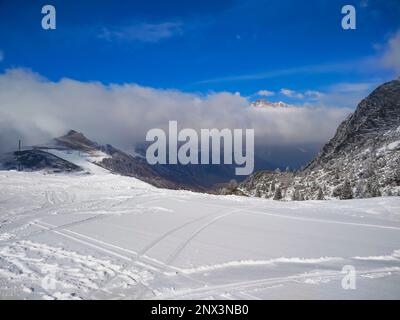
(74, 151)
(361, 160)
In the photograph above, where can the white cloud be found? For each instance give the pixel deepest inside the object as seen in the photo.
(310, 69)
(344, 94)
(340, 95)
(391, 54)
(308, 94)
(346, 87)
(265, 93)
(37, 109)
(291, 93)
(143, 32)
(313, 94)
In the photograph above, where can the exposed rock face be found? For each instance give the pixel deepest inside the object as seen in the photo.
(370, 125)
(361, 160)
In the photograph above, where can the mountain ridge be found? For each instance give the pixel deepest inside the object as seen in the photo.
(361, 160)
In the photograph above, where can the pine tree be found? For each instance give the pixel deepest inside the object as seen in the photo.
(376, 191)
(372, 188)
(233, 185)
(278, 194)
(273, 186)
(359, 192)
(397, 176)
(320, 195)
(296, 195)
(346, 192)
(336, 176)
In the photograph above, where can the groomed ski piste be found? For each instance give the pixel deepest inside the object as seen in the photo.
(96, 235)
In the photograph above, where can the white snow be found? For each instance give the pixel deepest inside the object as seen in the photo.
(389, 147)
(86, 161)
(394, 145)
(106, 236)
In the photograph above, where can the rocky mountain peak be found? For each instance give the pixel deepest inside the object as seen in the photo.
(362, 160)
(377, 113)
(72, 132)
(76, 140)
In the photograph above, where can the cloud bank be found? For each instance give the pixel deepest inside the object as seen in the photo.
(36, 109)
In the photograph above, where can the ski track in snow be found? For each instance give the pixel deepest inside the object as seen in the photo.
(93, 236)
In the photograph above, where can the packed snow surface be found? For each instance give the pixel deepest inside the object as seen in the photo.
(103, 236)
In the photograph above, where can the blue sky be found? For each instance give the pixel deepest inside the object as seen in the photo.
(115, 69)
(202, 46)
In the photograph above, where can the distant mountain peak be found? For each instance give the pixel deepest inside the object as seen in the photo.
(72, 132)
(76, 140)
(262, 103)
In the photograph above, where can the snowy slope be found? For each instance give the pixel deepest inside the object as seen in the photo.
(86, 161)
(107, 236)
